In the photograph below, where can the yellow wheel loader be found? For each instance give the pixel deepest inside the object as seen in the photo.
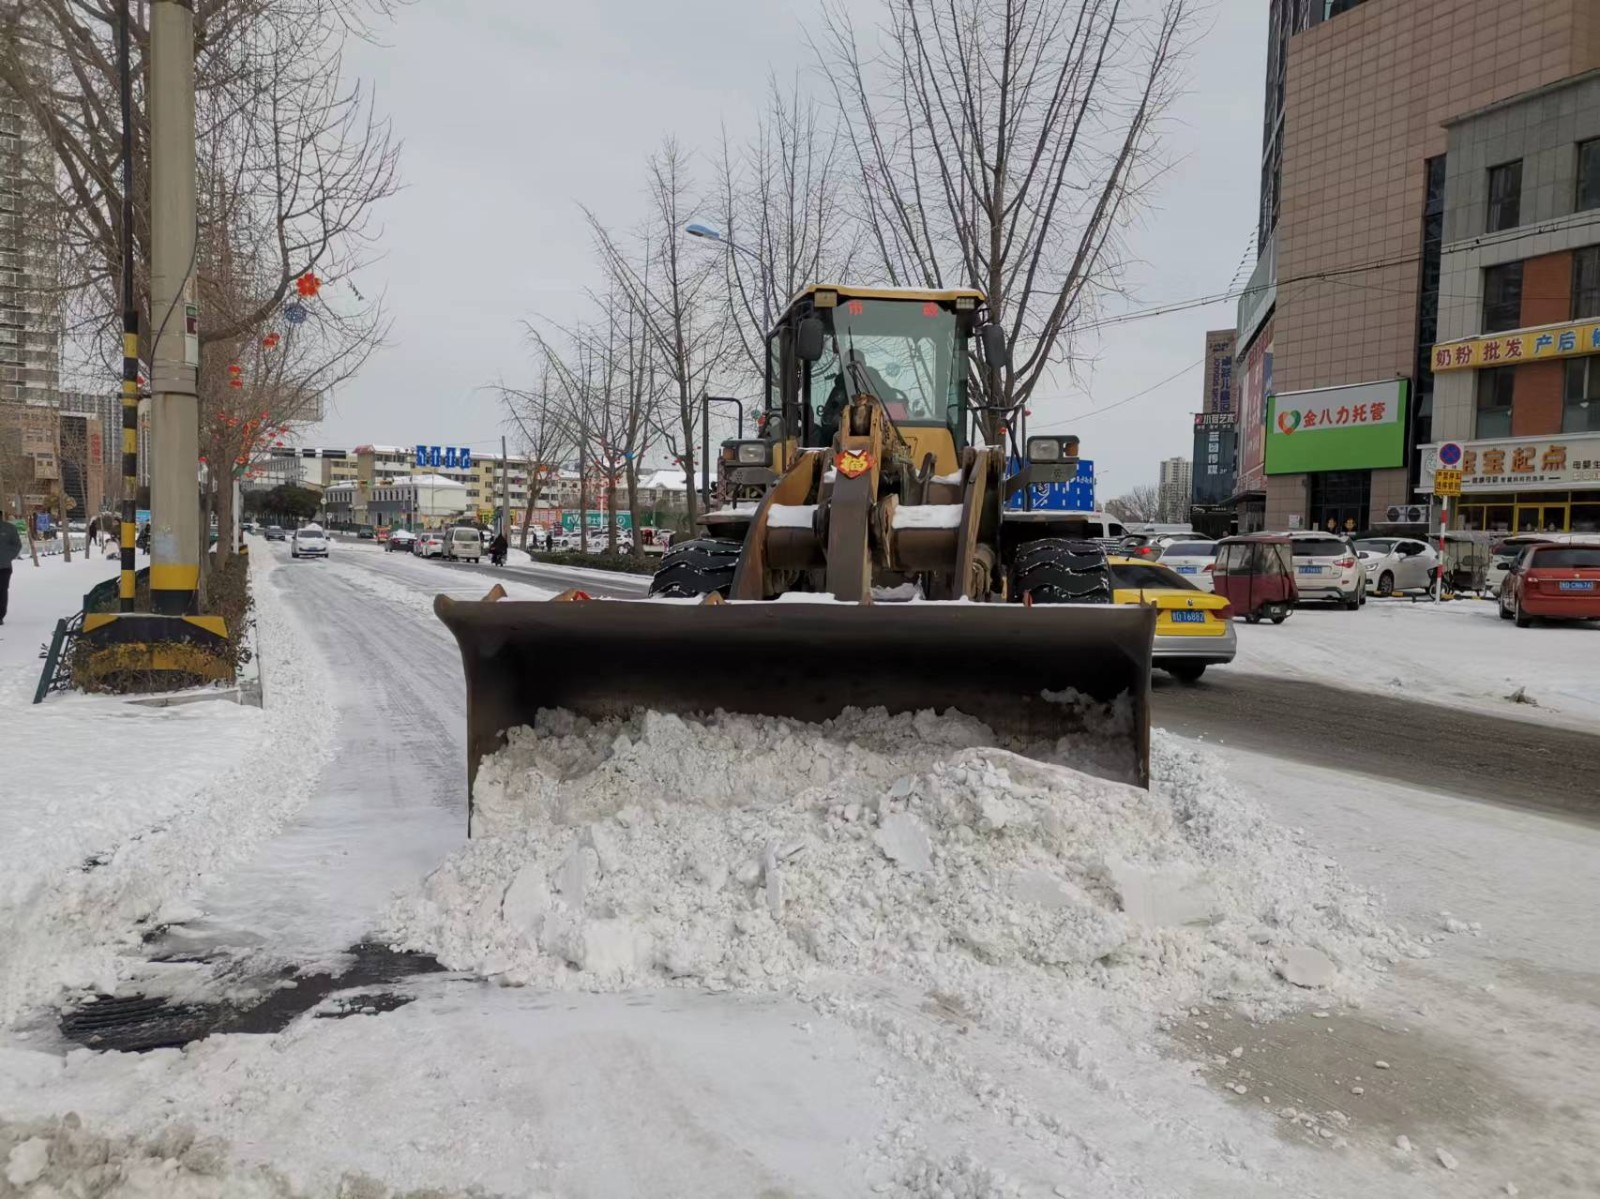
(877, 489)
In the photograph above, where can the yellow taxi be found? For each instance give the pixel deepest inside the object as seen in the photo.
(1194, 628)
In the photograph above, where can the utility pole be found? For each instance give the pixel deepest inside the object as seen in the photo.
(130, 329)
(505, 490)
(175, 352)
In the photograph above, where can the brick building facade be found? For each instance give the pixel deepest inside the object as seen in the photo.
(1369, 95)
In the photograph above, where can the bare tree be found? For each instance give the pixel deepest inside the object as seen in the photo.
(536, 414)
(673, 291)
(779, 198)
(1002, 144)
(291, 160)
(1141, 505)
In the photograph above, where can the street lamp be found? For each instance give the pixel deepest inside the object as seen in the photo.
(699, 229)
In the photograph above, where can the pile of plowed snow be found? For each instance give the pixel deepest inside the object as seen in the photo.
(761, 853)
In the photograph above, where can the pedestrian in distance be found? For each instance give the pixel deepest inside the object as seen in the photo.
(10, 547)
(497, 549)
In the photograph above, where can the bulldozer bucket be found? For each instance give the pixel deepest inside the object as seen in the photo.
(1001, 663)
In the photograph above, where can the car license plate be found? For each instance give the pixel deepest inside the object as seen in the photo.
(1309, 570)
(1577, 585)
(1189, 617)
(1188, 570)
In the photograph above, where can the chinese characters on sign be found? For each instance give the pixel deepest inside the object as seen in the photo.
(449, 457)
(1446, 482)
(1343, 416)
(1563, 462)
(1218, 396)
(1557, 341)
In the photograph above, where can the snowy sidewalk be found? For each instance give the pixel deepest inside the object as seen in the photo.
(1456, 653)
(112, 811)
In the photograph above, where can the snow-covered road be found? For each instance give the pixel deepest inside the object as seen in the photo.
(349, 788)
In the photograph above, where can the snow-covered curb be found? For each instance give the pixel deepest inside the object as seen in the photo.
(116, 812)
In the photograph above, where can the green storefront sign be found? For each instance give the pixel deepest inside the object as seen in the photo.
(597, 520)
(1360, 427)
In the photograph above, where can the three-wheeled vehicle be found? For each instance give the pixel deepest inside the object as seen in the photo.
(1255, 573)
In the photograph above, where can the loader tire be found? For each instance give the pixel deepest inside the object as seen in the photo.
(1054, 570)
(699, 567)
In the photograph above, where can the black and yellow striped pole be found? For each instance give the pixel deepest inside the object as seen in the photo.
(130, 326)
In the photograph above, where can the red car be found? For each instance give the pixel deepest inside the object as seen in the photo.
(1552, 582)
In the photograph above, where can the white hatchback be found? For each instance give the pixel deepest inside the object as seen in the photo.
(1327, 567)
(1194, 560)
(1397, 564)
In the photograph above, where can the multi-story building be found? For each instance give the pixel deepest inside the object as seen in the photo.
(1334, 371)
(30, 319)
(1518, 361)
(1175, 489)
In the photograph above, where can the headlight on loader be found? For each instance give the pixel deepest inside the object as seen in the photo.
(1052, 449)
(752, 453)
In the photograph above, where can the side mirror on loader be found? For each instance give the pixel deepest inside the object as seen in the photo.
(808, 337)
(995, 351)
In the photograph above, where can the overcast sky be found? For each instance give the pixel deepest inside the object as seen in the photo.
(512, 114)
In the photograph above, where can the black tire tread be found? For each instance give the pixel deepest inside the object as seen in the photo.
(1054, 570)
(698, 567)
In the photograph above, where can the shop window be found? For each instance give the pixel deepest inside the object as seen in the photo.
(1588, 175)
(1487, 518)
(1586, 283)
(1505, 196)
(1581, 412)
(1502, 297)
(1494, 402)
(1585, 512)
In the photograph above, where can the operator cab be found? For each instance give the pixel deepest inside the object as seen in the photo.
(910, 348)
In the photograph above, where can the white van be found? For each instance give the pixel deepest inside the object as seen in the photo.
(1078, 526)
(463, 543)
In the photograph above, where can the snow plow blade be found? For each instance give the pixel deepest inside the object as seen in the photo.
(607, 659)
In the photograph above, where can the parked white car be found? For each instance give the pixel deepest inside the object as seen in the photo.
(431, 545)
(463, 544)
(1327, 567)
(1397, 564)
(1194, 560)
(309, 542)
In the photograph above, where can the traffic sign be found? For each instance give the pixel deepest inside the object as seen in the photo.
(1450, 454)
(1447, 482)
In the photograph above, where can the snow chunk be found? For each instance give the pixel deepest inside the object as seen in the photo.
(903, 839)
(1306, 967)
(927, 516)
(791, 516)
(28, 1161)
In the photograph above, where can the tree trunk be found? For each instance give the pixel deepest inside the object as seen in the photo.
(611, 512)
(527, 515)
(66, 531)
(689, 464)
(583, 507)
(224, 522)
(633, 508)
